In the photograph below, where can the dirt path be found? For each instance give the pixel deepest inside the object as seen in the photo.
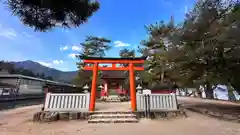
(191, 100)
(17, 122)
(18, 116)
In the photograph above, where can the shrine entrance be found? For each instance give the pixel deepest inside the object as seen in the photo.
(112, 88)
(95, 61)
(113, 82)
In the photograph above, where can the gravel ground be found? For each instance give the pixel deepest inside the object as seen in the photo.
(18, 122)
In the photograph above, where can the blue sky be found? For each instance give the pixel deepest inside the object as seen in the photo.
(122, 21)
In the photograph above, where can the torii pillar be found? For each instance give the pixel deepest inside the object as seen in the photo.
(94, 86)
(132, 87)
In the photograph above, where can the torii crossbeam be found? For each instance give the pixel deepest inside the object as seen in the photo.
(100, 60)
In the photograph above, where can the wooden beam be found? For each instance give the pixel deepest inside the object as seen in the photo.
(113, 68)
(115, 61)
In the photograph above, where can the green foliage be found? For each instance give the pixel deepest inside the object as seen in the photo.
(155, 48)
(92, 47)
(95, 46)
(202, 51)
(43, 15)
(126, 53)
(204, 44)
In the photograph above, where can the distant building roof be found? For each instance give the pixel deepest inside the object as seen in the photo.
(19, 76)
(5, 85)
(4, 72)
(37, 79)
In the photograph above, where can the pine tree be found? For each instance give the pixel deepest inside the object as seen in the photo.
(43, 15)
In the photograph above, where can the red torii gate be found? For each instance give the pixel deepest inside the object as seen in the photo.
(100, 60)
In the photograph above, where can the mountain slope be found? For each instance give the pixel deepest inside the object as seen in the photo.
(38, 68)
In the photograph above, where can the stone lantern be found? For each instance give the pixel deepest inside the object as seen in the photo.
(85, 88)
(139, 89)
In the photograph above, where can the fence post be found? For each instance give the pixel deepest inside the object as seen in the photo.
(175, 103)
(88, 100)
(47, 99)
(147, 105)
(145, 100)
(45, 95)
(148, 108)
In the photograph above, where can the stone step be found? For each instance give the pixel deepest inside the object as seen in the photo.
(111, 112)
(112, 116)
(109, 98)
(111, 120)
(113, 96)
(112, 100)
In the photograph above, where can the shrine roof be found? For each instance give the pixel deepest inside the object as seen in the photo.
(107, 74)
(111, 58)
(113, 75)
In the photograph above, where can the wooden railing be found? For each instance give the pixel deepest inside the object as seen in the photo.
(156, 102)
(65, 102)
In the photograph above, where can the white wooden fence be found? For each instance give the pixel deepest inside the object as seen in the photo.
(64, 102)
(157, 102)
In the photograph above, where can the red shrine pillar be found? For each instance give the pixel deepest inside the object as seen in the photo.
(132, 87)
(94, 85)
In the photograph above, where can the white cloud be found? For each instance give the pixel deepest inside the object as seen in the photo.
(76, 48)
(8, 33)
(47, 64)
(72, 55)
(120, 44)
(57, 62)
(50, 64)
(64, 48)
